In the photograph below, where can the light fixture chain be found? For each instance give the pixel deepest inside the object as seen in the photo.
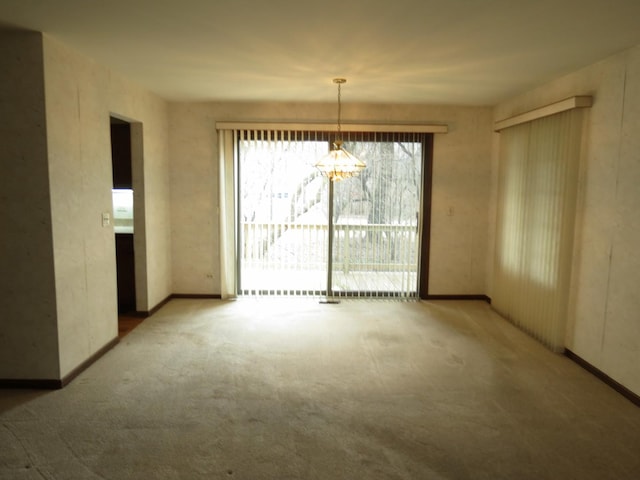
(339, 110)
(339, 164)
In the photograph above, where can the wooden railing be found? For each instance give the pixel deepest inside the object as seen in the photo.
(356, 247)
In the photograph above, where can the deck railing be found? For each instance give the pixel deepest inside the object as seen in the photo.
(356, 247)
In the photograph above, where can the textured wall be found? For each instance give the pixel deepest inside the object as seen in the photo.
(80, 96)
(194, 199)
(459, 214)
(28, 338)
(604, 320)
(462, 162)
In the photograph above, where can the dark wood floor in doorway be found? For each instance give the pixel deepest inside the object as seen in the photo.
(126, 323)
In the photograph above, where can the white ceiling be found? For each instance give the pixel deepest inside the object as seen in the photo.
(463, 52)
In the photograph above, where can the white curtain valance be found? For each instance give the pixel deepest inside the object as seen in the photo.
(557, 107)
(329, 127)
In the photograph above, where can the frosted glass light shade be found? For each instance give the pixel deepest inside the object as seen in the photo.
(339, 164)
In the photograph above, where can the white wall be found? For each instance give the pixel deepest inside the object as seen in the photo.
(80, 96)
(462, 173)
(605, 300)
(28, 336)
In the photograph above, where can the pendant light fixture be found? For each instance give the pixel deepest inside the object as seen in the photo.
(339, 164)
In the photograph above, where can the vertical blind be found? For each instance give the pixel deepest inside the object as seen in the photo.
(282, 226)
(538, 178)
(282, 222)
(377, 218)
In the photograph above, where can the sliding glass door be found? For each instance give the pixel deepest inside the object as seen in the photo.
(284, 226)
(376, 219)
(282, 214)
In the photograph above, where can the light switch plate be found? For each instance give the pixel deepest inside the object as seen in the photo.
(106, 219)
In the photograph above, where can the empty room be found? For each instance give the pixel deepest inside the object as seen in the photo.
(307, 240)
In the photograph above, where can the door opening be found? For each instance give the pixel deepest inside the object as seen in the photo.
(123, 222)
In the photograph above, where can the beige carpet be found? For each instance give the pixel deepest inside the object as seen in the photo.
(292, 389)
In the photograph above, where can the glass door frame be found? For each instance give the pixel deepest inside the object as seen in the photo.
(423, 221)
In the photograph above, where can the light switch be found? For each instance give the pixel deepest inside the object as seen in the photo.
(106, 219)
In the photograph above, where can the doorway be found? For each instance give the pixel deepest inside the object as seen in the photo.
(123, 221)
(300, 234)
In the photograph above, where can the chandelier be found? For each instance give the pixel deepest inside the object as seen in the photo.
(339, 164)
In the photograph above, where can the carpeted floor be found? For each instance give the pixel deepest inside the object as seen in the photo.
(292, 389)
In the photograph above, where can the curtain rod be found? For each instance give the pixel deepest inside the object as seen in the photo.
(557, 107)
(329, 127)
